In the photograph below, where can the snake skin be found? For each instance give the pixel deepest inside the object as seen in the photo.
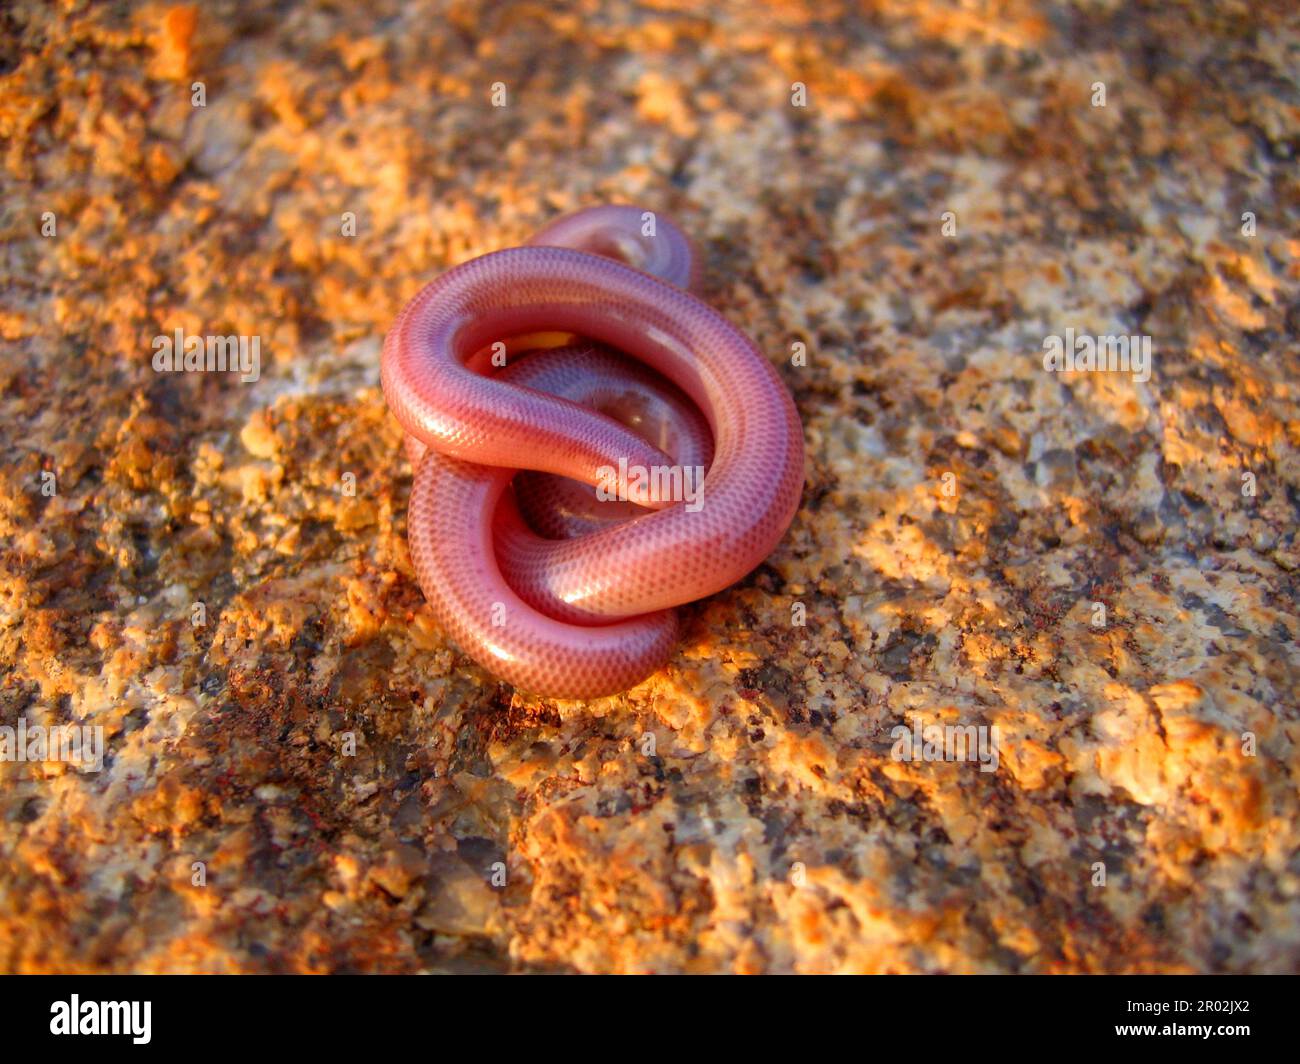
(589, 615)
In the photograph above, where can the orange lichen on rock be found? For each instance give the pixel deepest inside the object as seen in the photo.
(173, 42)
(1096, 574)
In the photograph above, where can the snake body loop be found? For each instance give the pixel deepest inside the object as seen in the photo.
(547, 582)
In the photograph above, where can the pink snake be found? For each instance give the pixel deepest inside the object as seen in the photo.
(545, 585)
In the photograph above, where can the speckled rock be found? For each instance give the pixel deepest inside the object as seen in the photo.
(300, 773)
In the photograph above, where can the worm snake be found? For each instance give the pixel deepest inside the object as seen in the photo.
(535, 528)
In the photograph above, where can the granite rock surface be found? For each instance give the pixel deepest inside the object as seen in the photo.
(1096, 571)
